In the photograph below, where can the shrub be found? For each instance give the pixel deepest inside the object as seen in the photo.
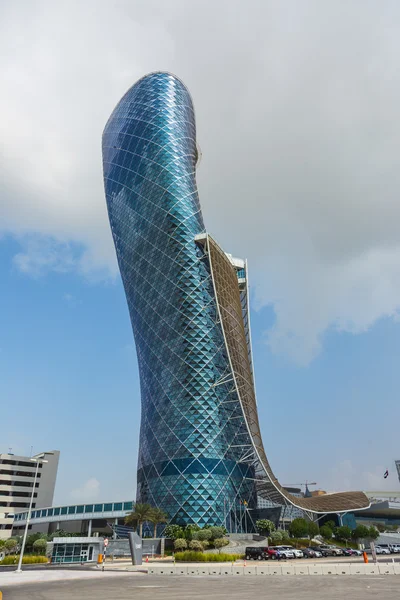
(173, 532)
(217, 532)
(275, 537)
(196, 545)
(12, 559)
(220, 543)
(40, 545)
(11, 544)
(265, 526)
(180, 544)
(203, 535)
(191, 556)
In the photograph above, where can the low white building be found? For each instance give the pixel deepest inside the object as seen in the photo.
(17, 475)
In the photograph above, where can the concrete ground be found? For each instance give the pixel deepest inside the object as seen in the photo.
(124, 586)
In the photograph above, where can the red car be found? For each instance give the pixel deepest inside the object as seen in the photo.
(261, 553)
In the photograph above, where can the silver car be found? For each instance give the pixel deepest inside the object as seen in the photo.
(283, 551)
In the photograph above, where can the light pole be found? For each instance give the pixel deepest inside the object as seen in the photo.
(38, 459)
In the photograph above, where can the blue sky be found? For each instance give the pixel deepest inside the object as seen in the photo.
(69, 381)
(299, 173)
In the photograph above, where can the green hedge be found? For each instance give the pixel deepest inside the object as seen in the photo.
(27, 560)
(191, 556)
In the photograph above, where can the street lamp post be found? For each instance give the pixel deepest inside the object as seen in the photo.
(37, 460)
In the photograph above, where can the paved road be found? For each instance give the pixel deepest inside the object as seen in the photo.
(169, 588)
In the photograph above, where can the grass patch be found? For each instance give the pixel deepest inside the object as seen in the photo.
(192, 556)
(27, 560)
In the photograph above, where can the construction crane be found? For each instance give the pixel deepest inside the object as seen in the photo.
(305, 483)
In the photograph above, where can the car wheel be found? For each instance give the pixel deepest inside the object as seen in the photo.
(273, 557)
(248, 557)
(259, 557)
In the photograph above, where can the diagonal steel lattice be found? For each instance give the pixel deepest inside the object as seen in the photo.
(201, 453)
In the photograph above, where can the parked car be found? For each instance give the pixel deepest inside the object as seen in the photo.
(261, 553)
(328, 550)
(348, 551)
(297, 553)
(382, 550)
(284, 553)
(395, 548)
(311, 553)
(356, 552)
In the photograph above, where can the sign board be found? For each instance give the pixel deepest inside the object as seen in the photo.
(105, 542)
(135, 543)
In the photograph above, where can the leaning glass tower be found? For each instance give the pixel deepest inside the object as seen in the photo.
(200, 452)
(193, 436)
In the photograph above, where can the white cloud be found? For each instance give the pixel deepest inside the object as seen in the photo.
(297, 109)
(88, 492)
(347, 476)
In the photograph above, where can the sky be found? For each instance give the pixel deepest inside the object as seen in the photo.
(297, 119)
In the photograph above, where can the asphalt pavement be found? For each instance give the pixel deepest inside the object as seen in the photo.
(125, 587)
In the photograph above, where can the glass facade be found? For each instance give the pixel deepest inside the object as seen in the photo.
(193, 437)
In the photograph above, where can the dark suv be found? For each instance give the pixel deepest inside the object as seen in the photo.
(260, 553)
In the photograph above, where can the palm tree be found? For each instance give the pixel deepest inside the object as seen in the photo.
(138, 516)
(156, 517)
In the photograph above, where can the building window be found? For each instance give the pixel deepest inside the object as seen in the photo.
(88, 508)
(80, 509)
(64, 510)
(108, 507)
(98, 508)
(56, 511)
(117, 505)
(71, 510)
(50, 512)
(128, 505)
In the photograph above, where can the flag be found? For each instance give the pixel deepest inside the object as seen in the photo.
(386, 474)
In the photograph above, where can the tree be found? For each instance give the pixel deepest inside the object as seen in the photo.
(11, 545)
(204, 535)
(360, 532)
(373, 533)
(220, 543)
(298, 528)
(265, 526)
(180, 544)
(40, 545)
(156, 517)
(173, 532)
(326, 532)
(313, 529)
(57, 533)
(190, 531)
(343, 533)
(217, 532)
(331, 524)
(139, 515)
(196, 545)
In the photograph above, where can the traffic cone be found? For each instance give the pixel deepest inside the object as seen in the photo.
(147, 559)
